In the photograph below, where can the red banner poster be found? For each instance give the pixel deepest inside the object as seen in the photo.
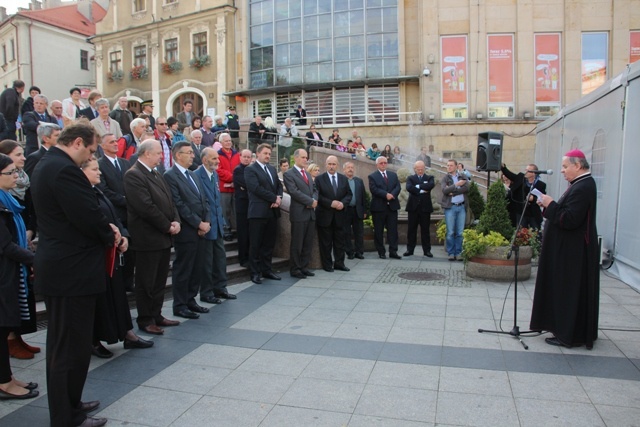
(454, 69)
(634, 46)
(500, 54)
(547, 67)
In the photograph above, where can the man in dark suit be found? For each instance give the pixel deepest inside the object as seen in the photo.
(334, 195)
(31, 121)
(196, 145)
(521, 184)
(192, 249)
(304, 200)
(111, 184)
(213, 284)
(74, 238)
(385, 188)
(186, 115)
(91, 112)
(419, 208)
(10, 101)
(265, 197)
(356, 213)
(152, 220)
(242, 206)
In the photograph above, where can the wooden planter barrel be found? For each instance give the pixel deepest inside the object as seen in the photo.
(494, 265)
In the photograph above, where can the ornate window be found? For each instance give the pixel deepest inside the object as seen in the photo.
(140, 56)
(200, 45)
(171, 50)
(115, 61)
(139, 6)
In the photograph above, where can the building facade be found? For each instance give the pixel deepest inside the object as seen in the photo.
(411, 73)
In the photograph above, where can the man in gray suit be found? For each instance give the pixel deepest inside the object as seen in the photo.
(189, 198)
(304, 199)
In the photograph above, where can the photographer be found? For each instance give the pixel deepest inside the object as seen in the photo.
(287, 132)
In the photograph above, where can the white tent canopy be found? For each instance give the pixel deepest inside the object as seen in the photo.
(605, 125)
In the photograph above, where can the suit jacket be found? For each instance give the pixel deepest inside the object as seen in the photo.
(88, 113)
(191, 203)
(33, 159)
(240, 186)
(212, 193)
(263, 191)
(112, 184)
(418, 201)
(114, 127)
(312, 141)
(150, 209)
(74, 233)
(30, 122)
(324, 212)
(197, 160)
(302, 195)
(360, 197)
(182, 120)
(379, 189)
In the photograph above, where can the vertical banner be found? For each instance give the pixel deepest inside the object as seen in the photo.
(500, 54)
(595, 53)
(634, 46)
(547, 67)
(454, 69)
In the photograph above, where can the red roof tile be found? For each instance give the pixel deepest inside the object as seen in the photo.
(67, 17)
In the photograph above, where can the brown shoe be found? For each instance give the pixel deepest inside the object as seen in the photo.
(17, 351)
(26, 346)
(166, 322)
(152, 329)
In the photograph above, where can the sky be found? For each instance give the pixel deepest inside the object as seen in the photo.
(12, 5)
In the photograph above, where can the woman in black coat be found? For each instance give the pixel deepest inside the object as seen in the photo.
(112, 321)
(14, 259)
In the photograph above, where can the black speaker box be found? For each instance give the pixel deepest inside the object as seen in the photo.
(489, 155)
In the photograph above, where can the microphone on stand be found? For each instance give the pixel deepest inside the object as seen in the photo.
(547, 172)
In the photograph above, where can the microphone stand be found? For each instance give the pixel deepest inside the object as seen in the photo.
(515, 249)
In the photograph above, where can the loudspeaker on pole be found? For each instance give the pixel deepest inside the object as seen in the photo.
(489, 154)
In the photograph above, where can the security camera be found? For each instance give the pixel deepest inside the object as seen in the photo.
(426, 72)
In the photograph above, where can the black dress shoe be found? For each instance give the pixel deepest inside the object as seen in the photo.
(298, 274)
(428, 254)
(128, 344)
(255, 278)
(8, 396)
(555, 341)
(308, 273)
(395, 255)
(244, 264)
(382, 256)
(351, 256)
(359, 256)
(101, 352)
(198, 308)
(341, 268)
(328, 269)
(407, 253)
(228, 237)
(89, 406)
(271, 275)
(211, 300)
(93, 422)
(225, 295)
(186, 313)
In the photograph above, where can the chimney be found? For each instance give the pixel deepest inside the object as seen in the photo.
(3, 13)
(35, 5)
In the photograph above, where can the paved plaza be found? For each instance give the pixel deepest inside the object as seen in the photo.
(369, 347)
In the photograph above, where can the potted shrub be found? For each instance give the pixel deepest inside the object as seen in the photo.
(485, 248)
(138, 72)
(200, 62)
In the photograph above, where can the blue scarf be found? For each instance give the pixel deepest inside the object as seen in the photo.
(14, 207)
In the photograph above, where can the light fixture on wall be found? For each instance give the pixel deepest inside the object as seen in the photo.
(479, 116)
(432, 117)
(526, 115)
(426, 72)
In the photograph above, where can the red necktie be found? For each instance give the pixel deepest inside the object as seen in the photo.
(304, 176)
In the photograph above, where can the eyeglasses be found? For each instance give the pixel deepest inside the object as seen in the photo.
(11, 172)
(186, 152)
(161, 124)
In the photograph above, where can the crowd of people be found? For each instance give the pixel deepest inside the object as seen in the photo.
(108, 195)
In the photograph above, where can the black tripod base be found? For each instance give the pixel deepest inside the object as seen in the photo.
(515, 332)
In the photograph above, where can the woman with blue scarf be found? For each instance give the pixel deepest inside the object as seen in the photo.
(14, 259)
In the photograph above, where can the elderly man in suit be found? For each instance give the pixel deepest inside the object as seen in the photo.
(196, 145)
(103, 123)
(356, 213)
(304, 200)
(74, 238)
(153, 221)
(190, 244)
(334, 195)
(242, 206)
(31, 121)
(385, 188)
(213, 284)
(419, 208)
(265, 197)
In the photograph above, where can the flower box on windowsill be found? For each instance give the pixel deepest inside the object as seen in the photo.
(115, 76)
(200, 62)
(138, 73)
(171, 67)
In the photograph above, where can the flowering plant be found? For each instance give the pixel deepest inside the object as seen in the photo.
(139, 72)
(200, 61)
(528, 237)
(115, 76)
(171, 67)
